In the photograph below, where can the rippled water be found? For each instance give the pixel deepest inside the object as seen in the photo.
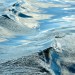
(29, 26)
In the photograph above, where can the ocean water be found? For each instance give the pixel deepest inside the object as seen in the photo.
(31, 26)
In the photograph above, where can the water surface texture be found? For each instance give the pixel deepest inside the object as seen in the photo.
(30, 26)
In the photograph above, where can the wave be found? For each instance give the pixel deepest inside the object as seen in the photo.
(28, 27)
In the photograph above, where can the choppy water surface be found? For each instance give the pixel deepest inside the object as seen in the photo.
(29, 26)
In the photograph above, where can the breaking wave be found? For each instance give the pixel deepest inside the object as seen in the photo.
(29, 26)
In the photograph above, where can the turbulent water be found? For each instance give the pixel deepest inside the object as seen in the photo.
(30, 26)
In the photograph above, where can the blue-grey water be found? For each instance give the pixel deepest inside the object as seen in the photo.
(30, 26)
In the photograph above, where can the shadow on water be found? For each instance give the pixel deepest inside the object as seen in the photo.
(24, 16)
(71, 68)
(54, 66)
(6, 16)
